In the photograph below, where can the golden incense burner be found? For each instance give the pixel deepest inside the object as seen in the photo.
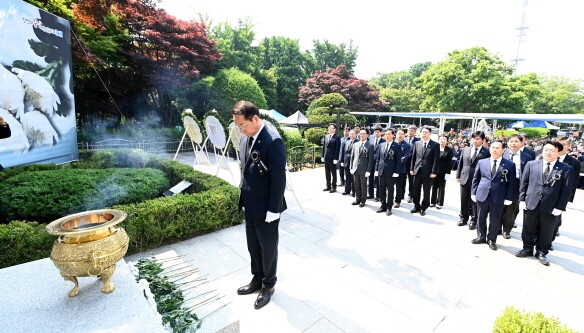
(89, 244)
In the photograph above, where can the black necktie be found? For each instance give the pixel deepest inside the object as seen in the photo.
(512, 155)
(425, 145)
(494, 169)
(248, 150)
(546, 173)
(474, 156)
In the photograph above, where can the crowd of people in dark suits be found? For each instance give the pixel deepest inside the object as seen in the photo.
(498, 179)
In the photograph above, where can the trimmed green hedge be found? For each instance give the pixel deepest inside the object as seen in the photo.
(48, 195)
(513, 320)
(208, 205)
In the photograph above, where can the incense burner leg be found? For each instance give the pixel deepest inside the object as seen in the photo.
(108, 285)
(73, 292)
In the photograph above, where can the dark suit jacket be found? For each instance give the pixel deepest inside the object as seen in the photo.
(466, 167)
(425, 160)
(525, 157)
(575, 164)
(5, 131)
(534, 189)
(530, 152)
(387, 162)
(414, 140)
(346, 149)
(263, 193)
(366, 159)
(500, 187)
(406, 159)
(376, 150)
(445, 162)
(331, 148)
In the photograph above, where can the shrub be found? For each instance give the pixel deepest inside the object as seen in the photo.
(314, 135)
(334, 100)
(506, 133)
(233, 85)
(535, 132)
(48, 195)
(513, 320)
(23, 242)
(325, 116)
(292, 138)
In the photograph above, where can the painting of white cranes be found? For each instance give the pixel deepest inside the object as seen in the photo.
(36, 95)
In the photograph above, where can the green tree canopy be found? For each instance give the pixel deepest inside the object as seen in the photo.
(559, 95)
(233, 85)
(326, 55)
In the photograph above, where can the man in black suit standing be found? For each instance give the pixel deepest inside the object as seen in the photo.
(444, 170)
(263, 181)
(386, 167)
(344, 140)
(411, 139)
(331, 147)
(373, 180)
(545, 187)
(520, 158)
(424, 168)
(575, 164)
(4, 133)
(469, 158)
(493, 185)
(361, 162)
(403, 167)
(346, 162)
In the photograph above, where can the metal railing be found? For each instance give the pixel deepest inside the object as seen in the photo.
(148, 146)
(301, 157)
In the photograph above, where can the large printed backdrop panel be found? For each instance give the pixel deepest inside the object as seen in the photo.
(36, 88)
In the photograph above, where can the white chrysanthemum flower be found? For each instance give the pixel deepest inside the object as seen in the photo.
(38, 129)
(17, 142)
(11, 92)
(38, 92)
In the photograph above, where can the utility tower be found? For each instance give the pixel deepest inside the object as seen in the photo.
(520, 36)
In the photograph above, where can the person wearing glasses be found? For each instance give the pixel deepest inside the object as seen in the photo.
(263, 181)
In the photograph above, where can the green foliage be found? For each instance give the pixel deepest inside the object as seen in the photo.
(48, 195)
(513, 320)
(559, 95)
(406, 99)
(234, 42)
(535, 132)
(268, 81)
(326, 55)
(326, 115)
(335, 100)
(233, 85)
(293, 138)
(314, 135)
(22, 241)
(506, 133)
(401, 79)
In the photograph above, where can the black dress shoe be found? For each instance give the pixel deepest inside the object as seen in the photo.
(263, 298)
(353, 195)
(388, 212)
(423, 212)
(345, 193)
(506, 235)
(361, 205)
(333, 190)
(492, 245)
(342, 184)
(369, 197)
(410, 200)
(381, 209)
(355, 203)
(250, 288)
(551, 247)
(542, 259)
(415, 210)
(524, 253)
(438, 207)
(472, 226)
(432, 205)
(478, 241)
(514, 225)
(326, 189)
(462, 223)
(376, 199)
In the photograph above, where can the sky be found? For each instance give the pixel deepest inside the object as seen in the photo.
(393, 35)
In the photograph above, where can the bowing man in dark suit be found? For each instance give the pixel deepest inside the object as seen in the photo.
(346, 162)
(444, 169)
(331, 147)
(386, 168)
(493, 186)
(424, 168)
(403, 168)
(520, 158)
(361, 162)
(263, 181)
(545, 188)
(575, 164)
(469, 157)
(376, 141)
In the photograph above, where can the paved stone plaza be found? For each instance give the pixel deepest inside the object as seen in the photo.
(348, 269)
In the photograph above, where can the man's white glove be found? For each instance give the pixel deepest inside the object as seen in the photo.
(272, 216)
(446, 176)
(335, 161)
(556, 212)
(395, 175)
(322, 159)
(376, 173)
(367, 174)
(508, 202)
(473, 198)
(342, 164)
(522, 205)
